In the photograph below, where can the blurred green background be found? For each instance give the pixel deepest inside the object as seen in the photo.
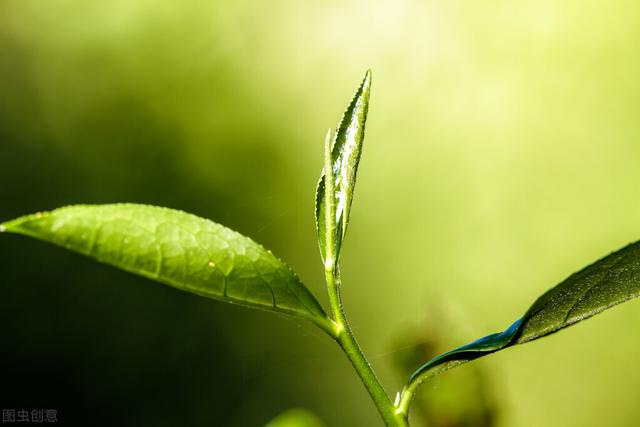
(502, 154)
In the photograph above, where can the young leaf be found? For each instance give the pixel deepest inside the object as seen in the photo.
(177, 249)
(345, 156)
(610, 281)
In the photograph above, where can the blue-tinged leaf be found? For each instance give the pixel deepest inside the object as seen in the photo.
(610, 281)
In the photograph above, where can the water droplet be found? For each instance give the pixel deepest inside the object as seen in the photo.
(2, 228)
(39, 215)
(212, 264)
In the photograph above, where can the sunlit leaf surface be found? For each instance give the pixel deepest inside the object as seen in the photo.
(345, 153)
(177, 249)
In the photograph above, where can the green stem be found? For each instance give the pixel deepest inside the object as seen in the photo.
(349, 345)
(344, 335)
(406, 396)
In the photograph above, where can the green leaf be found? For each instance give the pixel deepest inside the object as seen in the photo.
(296, 418)
(177, 249)
(345, 152)
(602, 285)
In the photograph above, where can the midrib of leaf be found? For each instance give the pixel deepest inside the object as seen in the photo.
(594, 286)
(189, 265)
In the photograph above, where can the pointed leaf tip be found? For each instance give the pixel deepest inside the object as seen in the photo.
(180, 250)
(345, 157)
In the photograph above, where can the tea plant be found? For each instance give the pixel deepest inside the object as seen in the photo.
(205, 258)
